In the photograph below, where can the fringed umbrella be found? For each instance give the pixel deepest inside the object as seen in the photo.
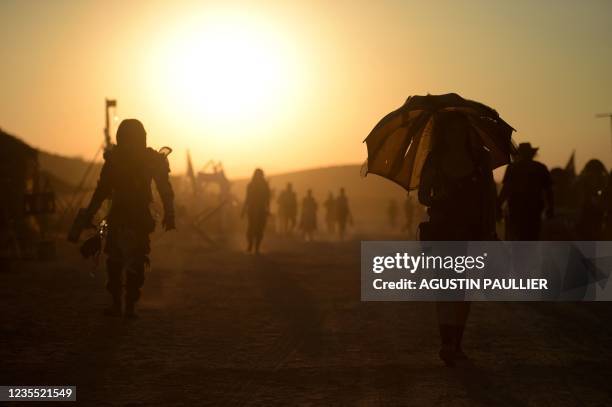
(401, 141)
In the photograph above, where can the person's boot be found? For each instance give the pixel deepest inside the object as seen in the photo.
(459, 354)
(447, 349)
(115, 309)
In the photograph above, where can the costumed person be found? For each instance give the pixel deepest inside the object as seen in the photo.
(257, 208)
(125, 179)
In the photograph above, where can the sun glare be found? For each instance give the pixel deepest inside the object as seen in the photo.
(226, 71)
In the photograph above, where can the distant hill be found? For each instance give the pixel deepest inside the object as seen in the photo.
(64, 173)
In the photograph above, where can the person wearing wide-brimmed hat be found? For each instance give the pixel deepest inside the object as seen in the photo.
(527, 186)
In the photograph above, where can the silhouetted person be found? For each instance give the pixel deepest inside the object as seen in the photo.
(343, 213)
(392, 213)
(589, 191)
(287, 209)
(527, 186)
(607, 201)
(308, 222)
(125, 179)
(563, 191)
(458, 189)
(563, 186)
(256, 207)
(330, 213)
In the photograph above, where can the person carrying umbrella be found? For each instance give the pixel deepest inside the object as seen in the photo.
(445, 147)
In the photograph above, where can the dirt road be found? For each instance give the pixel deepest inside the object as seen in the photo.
(287, 328)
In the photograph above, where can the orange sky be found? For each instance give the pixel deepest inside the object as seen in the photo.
(305, 81)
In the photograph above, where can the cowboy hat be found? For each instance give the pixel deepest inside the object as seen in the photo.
(525, 149)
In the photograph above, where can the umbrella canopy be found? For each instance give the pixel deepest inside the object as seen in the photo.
(402, 140)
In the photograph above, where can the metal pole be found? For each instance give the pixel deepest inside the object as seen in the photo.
(107, 140)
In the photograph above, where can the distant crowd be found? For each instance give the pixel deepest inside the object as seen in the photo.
(257, 210)
(337, 213)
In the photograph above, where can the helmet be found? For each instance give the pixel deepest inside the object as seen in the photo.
(131, 135)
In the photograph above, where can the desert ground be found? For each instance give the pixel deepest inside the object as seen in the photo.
(221, 327)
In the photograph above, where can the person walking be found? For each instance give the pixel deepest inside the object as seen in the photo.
(343, 213)
(125, 179)
(308, 221)
(527, 187)
(330, 213)
(458, 189)
(256, 208)
(592, 194)
(287, 209)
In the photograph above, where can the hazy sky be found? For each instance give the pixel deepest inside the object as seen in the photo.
(291, 85)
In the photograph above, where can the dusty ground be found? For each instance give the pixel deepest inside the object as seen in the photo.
(225, 328)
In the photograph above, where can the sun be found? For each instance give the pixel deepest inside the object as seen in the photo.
(226, 71)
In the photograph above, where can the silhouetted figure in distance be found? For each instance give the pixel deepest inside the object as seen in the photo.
(330, 213)
(458, 189)
(287, 209)
(527, 186)
(563, 187)
(256, 207)
(125, 178)
(343, 213)
(591, 197)
(308, 222)
(607, 202)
